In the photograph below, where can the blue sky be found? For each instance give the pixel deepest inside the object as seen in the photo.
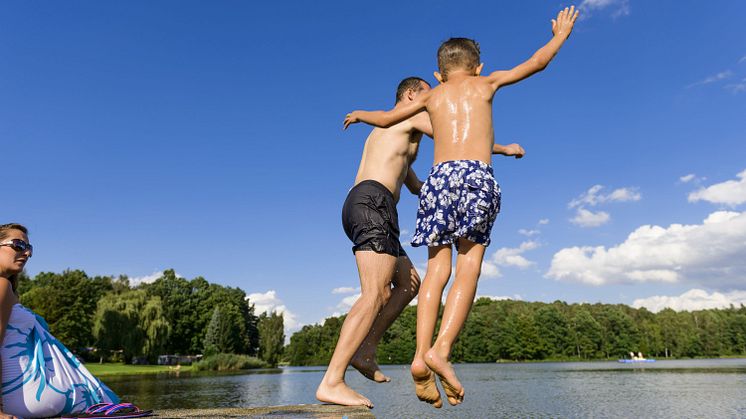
(206, 137)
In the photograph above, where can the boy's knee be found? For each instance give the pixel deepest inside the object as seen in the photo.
(375, 299)
(385, 295)
(441, 274)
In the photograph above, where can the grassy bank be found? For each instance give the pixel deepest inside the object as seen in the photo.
(100, 370)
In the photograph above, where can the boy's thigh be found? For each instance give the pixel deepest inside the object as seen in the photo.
(376, 269)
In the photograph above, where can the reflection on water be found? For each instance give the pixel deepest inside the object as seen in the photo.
(692, 388)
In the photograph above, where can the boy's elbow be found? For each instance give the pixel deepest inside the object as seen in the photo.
(539, 62)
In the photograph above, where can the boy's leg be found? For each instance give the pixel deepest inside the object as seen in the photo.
(376, 271)
(428, 304)
(406, 283)
(458, 303)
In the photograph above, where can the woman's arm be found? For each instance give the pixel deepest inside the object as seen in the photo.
(7, 300)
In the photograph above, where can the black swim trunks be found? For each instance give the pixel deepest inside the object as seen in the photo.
(370, 219)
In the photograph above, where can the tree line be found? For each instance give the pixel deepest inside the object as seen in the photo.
(519, 330)
(106, 318)
(173, 315)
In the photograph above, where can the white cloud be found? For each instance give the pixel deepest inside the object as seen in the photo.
(586, 218)
(268, 302)
(528, 233)
(344, 290)
(147, 279)
(507, 256)
(731, 192)
(711, 253)
(490, 270)
(621, 7)
(688, 178)
(593, 196)
(544, 221)
(714, 78)
(694, 299)
(346, 304)
(735, 88)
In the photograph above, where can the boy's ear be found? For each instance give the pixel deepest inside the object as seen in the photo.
(479, 68)
(438, 77)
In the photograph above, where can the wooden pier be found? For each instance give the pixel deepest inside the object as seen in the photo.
(303, 411)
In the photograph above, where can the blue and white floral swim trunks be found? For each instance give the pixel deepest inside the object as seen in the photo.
(460, 199)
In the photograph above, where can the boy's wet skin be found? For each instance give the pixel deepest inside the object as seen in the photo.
(460, 110)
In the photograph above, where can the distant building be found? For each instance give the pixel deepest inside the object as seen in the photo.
(177, 359)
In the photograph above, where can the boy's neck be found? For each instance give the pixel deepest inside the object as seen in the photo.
(456, 75)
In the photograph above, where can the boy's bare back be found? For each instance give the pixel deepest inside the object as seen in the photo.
(460, 111)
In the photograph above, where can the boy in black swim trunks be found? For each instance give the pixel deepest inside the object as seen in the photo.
(388, 281)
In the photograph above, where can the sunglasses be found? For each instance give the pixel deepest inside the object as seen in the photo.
(19, 246)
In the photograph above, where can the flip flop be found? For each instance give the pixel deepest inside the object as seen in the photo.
(110, 410)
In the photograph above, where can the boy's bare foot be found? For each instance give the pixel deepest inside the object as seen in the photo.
(424, 384)
(340, 393)
(451, 385)
(368, 366)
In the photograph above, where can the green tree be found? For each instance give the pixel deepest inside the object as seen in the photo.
(586, 333)
(554, 330)
(188, 307)
(67, 301)
(271, 337)
(131, 322)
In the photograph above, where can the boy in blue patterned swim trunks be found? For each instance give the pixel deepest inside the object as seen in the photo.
(460, 199)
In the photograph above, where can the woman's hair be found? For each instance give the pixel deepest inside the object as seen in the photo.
(4, 229)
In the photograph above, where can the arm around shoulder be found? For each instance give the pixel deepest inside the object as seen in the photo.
(385, 119)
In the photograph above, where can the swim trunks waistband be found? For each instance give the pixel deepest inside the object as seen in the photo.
(375, 184)
(482, 165)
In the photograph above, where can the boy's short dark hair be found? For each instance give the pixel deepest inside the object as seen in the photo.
(458, 53)
(406, 84)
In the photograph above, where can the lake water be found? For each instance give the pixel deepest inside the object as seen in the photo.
(664, 389)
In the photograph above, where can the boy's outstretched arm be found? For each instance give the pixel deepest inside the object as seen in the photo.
(561, 28)
(385, 119)
(509, 150)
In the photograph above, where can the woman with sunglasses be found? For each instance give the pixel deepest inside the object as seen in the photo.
(40, 377)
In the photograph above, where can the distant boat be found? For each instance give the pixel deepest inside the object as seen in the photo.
(635, 359)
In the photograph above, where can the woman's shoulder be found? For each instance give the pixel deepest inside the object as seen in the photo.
(7, 294)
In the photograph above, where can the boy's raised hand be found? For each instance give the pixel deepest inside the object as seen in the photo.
(351, 118)
(562, 26)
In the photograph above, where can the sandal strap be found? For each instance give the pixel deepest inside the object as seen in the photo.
(117, 407)
(98, 407)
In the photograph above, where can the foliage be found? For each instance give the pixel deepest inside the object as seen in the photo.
(228, 362)
(169, 316)
(271, 337)
(518, 330)
(189, 306)
(67, 301)
(224, 332)
(131, 322)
